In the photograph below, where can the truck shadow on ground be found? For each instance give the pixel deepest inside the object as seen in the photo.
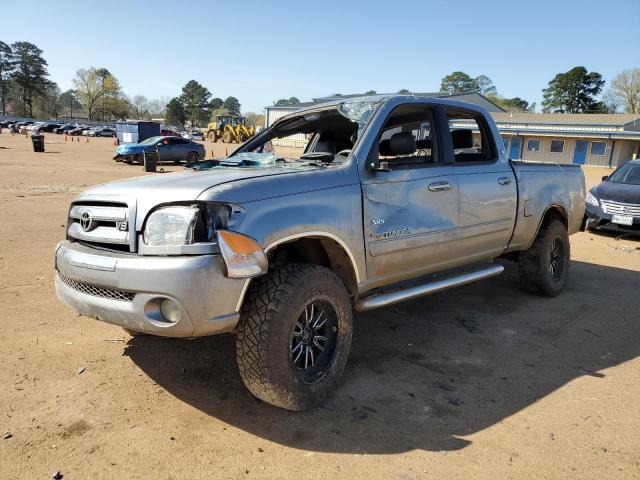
(425, 373)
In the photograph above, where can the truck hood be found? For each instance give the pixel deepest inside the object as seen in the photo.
(149, 191)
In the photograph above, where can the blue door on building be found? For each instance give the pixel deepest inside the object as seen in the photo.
(580, 153)
(516, 147)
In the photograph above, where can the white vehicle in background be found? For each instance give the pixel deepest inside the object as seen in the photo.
(193, 135)
(35, 126)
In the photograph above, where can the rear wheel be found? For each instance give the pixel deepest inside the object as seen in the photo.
(544, 268)
(294, 336)
(193, 157)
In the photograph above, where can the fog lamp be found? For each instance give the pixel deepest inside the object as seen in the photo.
(170, 310)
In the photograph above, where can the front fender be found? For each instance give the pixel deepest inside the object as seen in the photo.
(335, 214)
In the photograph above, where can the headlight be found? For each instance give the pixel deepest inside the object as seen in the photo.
(591, 199)
(196, 223)
(171, 226)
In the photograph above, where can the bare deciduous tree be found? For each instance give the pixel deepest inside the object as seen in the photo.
(91, 87)
(626, 86)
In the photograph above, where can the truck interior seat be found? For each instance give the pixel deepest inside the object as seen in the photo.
(325, 146)
(403, 146)
(463, 140)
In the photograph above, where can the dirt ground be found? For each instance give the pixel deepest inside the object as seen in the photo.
(478, 382)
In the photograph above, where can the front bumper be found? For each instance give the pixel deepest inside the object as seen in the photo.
(595, 217)
(127, 290)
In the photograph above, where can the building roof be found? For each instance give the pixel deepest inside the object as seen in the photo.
(591, 119)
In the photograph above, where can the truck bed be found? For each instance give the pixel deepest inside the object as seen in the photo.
(541, 186)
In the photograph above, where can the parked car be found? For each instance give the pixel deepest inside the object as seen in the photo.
(64, 128)
(165, 132)
(34, 127)
(170, 149)
(615, 203)
(77, 131)
(394, 197)
(24, 123)
(102, 132)
(193, 135)
(48, 127)
(7, 123)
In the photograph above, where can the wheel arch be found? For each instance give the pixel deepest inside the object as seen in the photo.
(318, 248)
(552, 212)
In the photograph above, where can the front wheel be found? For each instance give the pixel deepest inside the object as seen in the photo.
(294, 336)
(544, 268)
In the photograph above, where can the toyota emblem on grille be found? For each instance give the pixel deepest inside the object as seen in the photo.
(86, 222)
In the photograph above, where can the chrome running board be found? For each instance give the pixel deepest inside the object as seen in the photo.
(437, 284)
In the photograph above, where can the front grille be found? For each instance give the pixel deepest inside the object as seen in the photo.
(619, 208)
(97, 291)
(102, 223)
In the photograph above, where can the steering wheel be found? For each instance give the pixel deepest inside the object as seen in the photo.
(344, 152)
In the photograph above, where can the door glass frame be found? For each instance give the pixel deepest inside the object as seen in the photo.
(373, 156)
(488, 144)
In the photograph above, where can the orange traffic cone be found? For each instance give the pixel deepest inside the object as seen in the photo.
(115, 141)
(226, 152)
(87, 139)
(65, 137)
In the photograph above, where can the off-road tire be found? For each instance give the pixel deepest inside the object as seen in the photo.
(273, 305)
(534, 263)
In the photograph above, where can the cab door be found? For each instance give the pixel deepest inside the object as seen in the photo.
(487, 187)
(410, 208)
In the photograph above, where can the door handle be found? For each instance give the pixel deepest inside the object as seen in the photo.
(504, 181)
(440, 186)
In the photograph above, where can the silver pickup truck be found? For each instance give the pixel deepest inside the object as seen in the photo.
(393, 197)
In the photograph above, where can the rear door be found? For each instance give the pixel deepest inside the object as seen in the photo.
(411, 207)
(487, 186)
(181, 148)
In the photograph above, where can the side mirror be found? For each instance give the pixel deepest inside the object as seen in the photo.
(604, 178)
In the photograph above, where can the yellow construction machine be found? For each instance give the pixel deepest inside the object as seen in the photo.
(229, 129)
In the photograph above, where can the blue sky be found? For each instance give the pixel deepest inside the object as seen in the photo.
(261, 51)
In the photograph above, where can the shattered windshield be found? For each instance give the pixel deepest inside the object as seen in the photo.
(359, 112)
(320, 138)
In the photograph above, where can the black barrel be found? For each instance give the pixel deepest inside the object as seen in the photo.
(150, 161)
(38, 142)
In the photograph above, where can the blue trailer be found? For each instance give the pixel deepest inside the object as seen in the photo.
(136, 132)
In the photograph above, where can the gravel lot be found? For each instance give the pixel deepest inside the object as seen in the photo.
(479, 382)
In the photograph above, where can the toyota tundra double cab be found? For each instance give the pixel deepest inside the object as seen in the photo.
(392, 198)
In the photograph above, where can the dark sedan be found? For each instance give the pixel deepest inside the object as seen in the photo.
(615, 203)
(74, 132)
(64, 128)
(49, 127)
